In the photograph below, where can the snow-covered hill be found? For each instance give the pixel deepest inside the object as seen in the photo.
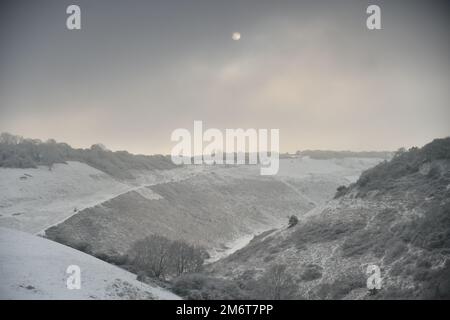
(32, 267)
(34, 199)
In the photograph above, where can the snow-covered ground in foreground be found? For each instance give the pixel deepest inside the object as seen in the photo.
(32, 267)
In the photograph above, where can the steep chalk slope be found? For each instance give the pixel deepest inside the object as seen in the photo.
(396, 216)
(35, 268)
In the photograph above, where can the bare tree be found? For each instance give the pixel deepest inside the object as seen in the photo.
(185, 258)
(159, 257)
(152, 255)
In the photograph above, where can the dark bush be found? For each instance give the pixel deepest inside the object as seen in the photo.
(340, 191)
(382, 176)
(293, 220)
(201, 287)
(311, 272)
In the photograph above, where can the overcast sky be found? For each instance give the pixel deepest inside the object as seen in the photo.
(137, 70)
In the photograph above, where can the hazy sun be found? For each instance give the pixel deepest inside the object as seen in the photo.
(236, 36)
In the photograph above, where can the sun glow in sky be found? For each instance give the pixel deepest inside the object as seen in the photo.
(312, 69)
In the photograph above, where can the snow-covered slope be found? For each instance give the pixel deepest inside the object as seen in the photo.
(32, 200)
(32, 267)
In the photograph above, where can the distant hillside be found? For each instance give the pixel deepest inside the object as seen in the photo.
(396, 216)
(18, 152)
(330, 154)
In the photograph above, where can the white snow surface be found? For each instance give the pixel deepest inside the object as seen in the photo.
(32, 267)
(33, 200)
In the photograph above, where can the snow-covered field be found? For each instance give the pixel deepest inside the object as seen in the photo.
(32, 200)
(32, 267)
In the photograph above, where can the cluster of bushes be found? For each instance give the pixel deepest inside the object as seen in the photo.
(340, 191)
(17, 152)
(311, 272)
(155, 256)
(275, 284)
(430, 283)
(159, 257)
(198, 286)
(403, 163)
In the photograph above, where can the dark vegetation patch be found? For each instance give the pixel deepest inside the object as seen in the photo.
(385, 175)
(432, 231)
(340, 191)
(389, 175)
(429, 283)
(202, 287)
(311, 272)
(276, 283)
(438, 284)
